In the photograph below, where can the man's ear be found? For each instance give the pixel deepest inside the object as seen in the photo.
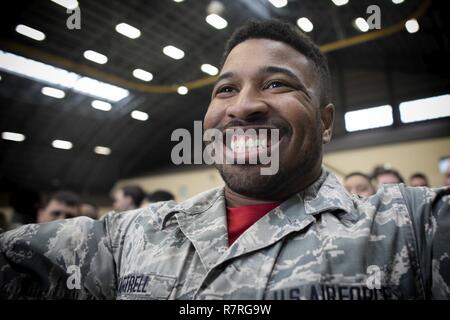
(327, 120)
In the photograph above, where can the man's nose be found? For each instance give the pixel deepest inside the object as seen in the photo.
(247, 104)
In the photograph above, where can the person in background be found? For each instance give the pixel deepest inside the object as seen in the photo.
(359, 183)
(418, 180)
(127, 198)
(447, 177)
(89, 210)
(61, 205)
(160, 195)
(382, 175)
(157, 196)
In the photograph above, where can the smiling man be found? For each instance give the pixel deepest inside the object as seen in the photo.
(296, 234)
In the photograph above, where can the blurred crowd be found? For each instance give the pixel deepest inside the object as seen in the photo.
(28, 207)
(366, 184)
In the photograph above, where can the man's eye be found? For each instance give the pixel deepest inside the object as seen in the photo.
(225, 89)
(275, 84)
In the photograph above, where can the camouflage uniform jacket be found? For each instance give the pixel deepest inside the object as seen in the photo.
(320, 244)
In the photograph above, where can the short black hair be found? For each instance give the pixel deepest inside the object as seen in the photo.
(418, 175)
(380, 170)
(273, 29)
(160, 195)
(135, 193)
(357, 173)
(69, 198)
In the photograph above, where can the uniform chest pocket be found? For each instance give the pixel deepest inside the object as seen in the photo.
(145, 286)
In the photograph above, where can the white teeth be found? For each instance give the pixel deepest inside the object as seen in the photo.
(243, 143)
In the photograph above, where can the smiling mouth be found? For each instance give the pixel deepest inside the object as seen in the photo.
(247, 141)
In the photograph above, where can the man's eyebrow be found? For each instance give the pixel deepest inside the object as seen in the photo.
(274, 69)
(223, 76)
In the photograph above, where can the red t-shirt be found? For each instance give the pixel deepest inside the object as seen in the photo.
(241, 218)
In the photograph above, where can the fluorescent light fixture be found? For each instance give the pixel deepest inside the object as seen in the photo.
(68, 4)
(209, 69)
(305, 24)
(95, 56)
(278, 3)
(128, 31)
(182, 90)
(139, 115)
(425, 109)
(216, 21)
(101, 105)
(100, 89)
(142, 75)
(368, 118)
(102, 150)
(62, 144)
(340, 2)
(173, 52)
(178, 0)
(56, 76)
(53, 92)
(30, 32)
(362, 24)
(13, 136)
(397, 1)
(412, 26)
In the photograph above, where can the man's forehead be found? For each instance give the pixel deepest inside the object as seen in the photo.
(257, 54)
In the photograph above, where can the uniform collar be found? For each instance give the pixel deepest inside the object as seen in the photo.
(325, 194)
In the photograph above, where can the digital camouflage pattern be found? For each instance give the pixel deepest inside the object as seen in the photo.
(320, 244)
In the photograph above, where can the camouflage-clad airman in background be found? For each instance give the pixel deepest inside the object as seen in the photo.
(319, 243)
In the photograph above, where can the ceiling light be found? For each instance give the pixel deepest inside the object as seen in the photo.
(68, 4)
(397, 1)
(53, 92)
(362, 24)
(12, 136)
(305, 24)
(30, 32)
(368, 118)
(182, 90)
(425, 109)
(209, 69)
(95, 56)
(340, 2)
(100, 89)
(412, 26)
(101, 105)
(278, 3)
(102, 150)
(216, 21)
(128, 31)
(62, 144)
(173, 52)
(178, 0)
(142, 75)
(46, 73)
(139, 115)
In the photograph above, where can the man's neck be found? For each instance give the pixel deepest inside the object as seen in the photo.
(234, 199)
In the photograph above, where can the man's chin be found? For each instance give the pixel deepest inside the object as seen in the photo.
(248, 181)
